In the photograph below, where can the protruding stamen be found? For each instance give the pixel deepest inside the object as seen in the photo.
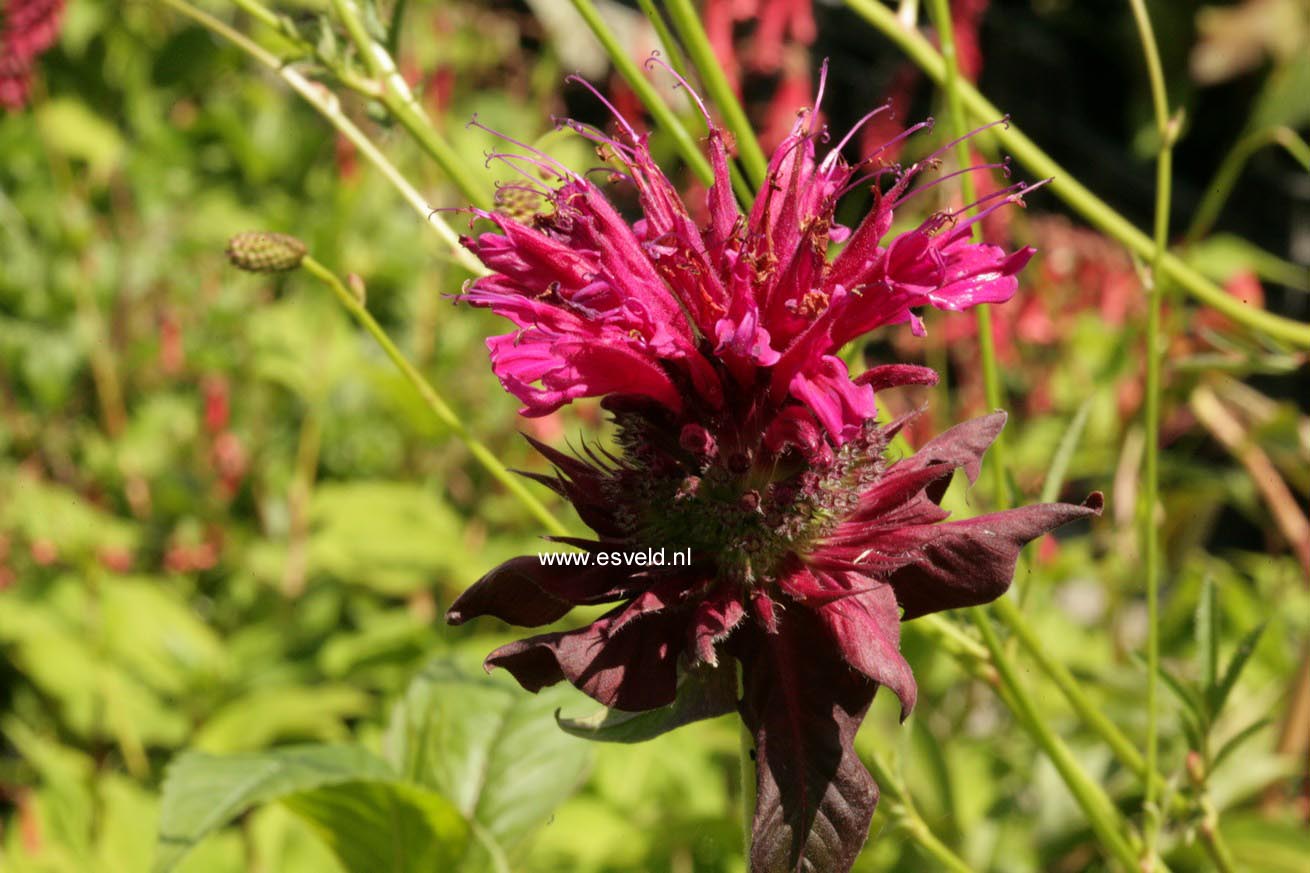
(656, 60)
(618, 116)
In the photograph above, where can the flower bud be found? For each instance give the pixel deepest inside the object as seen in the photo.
(263, 252)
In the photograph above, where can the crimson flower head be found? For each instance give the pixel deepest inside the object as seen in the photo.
(744, 442)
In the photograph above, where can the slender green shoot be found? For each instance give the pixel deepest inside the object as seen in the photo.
(440, 409)
(327, 105)
(1230, 170)
(1167, 131)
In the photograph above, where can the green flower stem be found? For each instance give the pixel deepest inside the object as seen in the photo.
(910, 822)
(434, 401)
(261, 13)
(395, 94)
(1225, 178)
(1166, 131)
(665, 119)
(327, 105)
(687, 21)
(1065, 186)
(672, 50)
(1101, 813)
(1213, 841)
(956, 128)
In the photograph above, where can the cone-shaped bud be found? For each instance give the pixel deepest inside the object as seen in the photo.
(263, 252)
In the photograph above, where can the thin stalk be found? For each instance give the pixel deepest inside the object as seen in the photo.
(395, 26)
(327, 105)
(911, 823)
(1225, 178)
(1101, 813)
(672, 50)
(434, 401)
(1166, 130)
(687, 21)
(1074, 193)
(395, 94)
(664, 117)
(956, 128)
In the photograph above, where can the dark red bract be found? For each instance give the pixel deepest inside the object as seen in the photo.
(744, 441)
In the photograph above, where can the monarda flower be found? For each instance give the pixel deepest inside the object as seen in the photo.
(743, 439)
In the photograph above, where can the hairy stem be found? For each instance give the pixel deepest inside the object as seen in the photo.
(1101, 813)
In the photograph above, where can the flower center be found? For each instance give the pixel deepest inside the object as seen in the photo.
(744, 513)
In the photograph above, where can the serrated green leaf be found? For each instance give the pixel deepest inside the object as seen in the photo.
(1241, 655)
(382, 825)
(702, 694)
(488, 746)
(202, 792)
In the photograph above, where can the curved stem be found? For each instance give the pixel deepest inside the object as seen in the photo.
(911, 822)
(1101, 813)
(1225, 178)
(956, 128)
(1067, 188)
(434, 401)
(327, 105)
(401, 103)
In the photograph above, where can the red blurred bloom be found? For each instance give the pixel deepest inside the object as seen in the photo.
(745, 442)
(29, 27)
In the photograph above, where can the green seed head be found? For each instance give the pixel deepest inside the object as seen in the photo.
(262, 252)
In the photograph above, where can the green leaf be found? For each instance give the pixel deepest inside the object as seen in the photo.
(1064, 453)
(390, 536)
(1194, 710)
(1207, 636)
(1238, 738)
(701, 694)
(1218, 696)
(202, 792)
(379, 825)
(487, 745)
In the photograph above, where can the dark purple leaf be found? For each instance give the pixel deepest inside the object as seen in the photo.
(803, 704)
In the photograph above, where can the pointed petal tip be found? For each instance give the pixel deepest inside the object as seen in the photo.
(455, 617)
(1095, 502)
